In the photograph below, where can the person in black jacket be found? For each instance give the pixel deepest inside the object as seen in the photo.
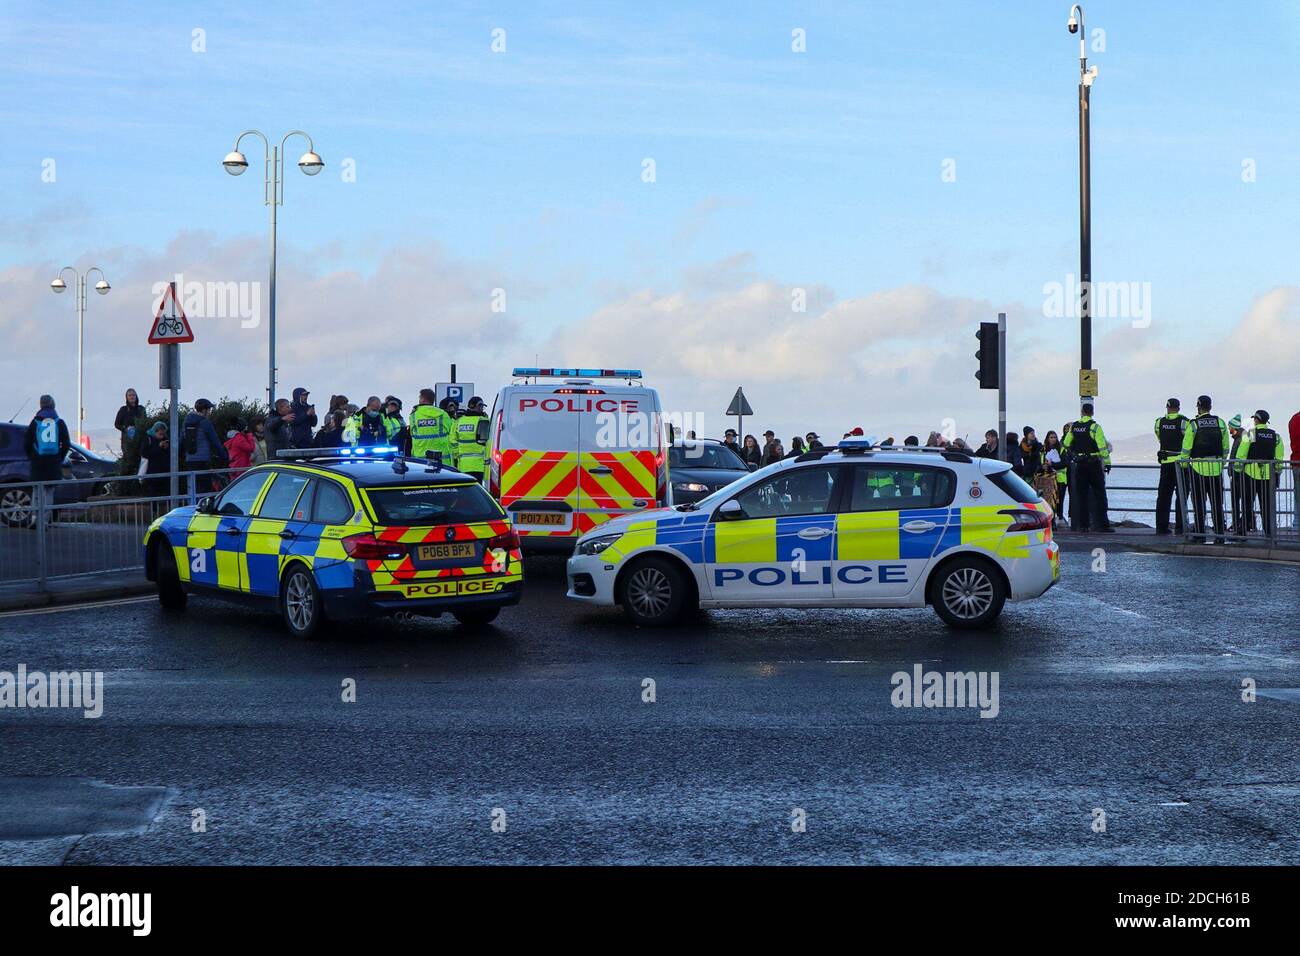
(1013, 453)
(331, 433)
(129, 418)
(279, 428)
(303, 421)
(990, 447)
(47, 442)
(156, 452)
(750, 453)
(1031, 455)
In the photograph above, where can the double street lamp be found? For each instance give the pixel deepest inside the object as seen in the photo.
(1086, 79)
(273, 196)
(102, 287)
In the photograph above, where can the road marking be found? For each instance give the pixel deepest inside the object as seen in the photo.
(75, 607)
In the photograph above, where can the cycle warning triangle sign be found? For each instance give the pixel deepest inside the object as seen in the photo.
(170, 329)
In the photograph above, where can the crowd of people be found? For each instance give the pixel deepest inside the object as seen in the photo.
(442, 429)
(1068, 467)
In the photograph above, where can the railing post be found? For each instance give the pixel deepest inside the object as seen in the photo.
(38, 503)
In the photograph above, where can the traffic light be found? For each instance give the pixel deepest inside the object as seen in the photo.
(988, 355)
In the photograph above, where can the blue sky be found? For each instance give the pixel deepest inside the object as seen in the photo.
(819, 169)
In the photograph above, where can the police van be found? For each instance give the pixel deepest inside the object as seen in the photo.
(573, 448)
(850, 526)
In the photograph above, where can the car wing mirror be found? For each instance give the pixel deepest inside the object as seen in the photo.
(730, 510)
(205, 505)
(752, 466)
(481, 431)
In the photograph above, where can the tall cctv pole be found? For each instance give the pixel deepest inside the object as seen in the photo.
(273, 196)
(79, 283)
(1086, 79)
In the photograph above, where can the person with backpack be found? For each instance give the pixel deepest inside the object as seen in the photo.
(202, 447)
(47, 442)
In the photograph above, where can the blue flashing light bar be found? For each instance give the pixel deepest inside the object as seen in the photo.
(371, 452)
(578, 372)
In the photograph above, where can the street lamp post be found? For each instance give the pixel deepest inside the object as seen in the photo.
(1086, 79)
(273, 196)
(102, 287)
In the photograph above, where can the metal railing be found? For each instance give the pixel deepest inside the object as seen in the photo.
(1230, 499)
(63, 530)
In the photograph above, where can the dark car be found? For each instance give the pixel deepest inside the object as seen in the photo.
(16, 472)
(699, 467)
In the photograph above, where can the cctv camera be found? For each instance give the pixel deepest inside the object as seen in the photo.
(1073, 25)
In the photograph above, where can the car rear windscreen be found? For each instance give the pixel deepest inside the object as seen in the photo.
(432, 505)
(693, 455)
(1016, 487)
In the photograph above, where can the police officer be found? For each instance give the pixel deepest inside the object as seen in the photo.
(1169, 432)
(1261, 447)
(432, 429)
(1205, 444)
(370, 426)
(393, 423)
(47, 442)
(471, 454)
(1090, 454)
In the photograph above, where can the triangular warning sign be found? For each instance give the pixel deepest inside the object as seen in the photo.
(170, 329)
(739, 405)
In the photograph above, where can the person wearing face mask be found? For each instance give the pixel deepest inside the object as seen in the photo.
(368, 426)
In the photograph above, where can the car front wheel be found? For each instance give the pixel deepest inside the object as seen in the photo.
(16, 507)
(300, 602)
(171, 594)
(968, 594)
(654, 593)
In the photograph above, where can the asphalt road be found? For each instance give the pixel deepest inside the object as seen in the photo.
(1118, 690)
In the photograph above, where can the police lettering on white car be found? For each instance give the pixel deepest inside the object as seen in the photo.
(851, 526)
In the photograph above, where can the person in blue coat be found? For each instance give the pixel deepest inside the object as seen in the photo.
(202, 446)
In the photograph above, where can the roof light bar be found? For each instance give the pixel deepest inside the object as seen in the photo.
(577, 373)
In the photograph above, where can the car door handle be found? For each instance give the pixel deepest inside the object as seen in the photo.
(919, 527)
(233, 531)
(813, 534)
(286, 533)
(601, 470)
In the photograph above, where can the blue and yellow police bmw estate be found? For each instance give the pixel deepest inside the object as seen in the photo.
(338, 533)
(850, 526)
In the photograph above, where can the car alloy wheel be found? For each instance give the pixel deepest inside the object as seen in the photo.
(649, 592)
(300, 602)
(16, 507)
(967, 592)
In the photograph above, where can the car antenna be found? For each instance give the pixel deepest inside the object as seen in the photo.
(20, 408)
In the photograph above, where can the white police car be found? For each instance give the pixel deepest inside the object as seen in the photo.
(850, 526)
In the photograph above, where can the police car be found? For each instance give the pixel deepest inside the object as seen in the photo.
(338, 533)
(851, 526)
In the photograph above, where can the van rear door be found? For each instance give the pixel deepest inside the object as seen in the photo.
(620, 457)
(538, 445)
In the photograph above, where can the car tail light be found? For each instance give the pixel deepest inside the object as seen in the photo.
(366, 547)
(1028, 519)
(507, 541)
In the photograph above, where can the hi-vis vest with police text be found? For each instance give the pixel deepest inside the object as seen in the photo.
(1082, 442)
(1264, 445)
(1171, 431)
(470, 453)
(1208, 442)
(431, 430)
(47, 436)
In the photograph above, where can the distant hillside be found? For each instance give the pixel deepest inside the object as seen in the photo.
(1138, 448)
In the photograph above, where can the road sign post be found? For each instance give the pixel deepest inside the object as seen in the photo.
(167, 332)
(739, 407)
(1002, 386)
